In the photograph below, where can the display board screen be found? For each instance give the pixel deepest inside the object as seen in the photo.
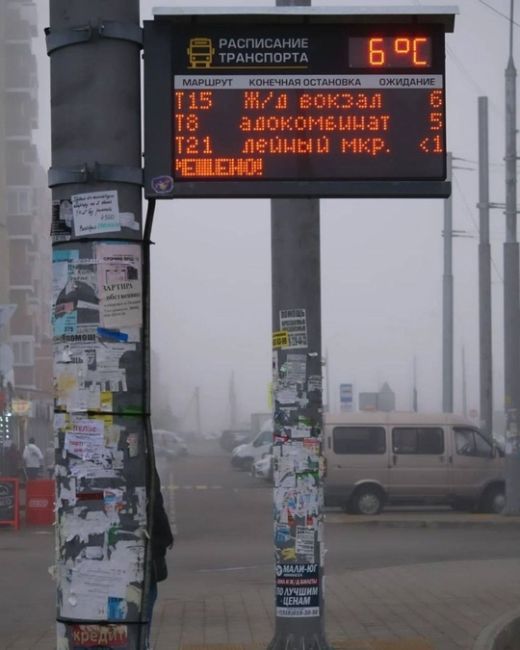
(326, 103)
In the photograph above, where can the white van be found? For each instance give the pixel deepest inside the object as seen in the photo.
(245, 455)
(377, 458)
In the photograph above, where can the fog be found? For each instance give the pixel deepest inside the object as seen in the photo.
(382, 262)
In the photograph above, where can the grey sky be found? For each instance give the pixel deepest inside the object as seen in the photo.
(381, 260)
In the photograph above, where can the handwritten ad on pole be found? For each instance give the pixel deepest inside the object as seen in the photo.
(95, 212)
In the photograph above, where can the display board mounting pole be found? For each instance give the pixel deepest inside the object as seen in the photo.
(297, 448)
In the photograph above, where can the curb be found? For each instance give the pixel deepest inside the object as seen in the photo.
(472, 521)
(352, 644)
(502, 634)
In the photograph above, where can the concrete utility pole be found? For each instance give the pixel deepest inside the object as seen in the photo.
(447, 301)
(197, 410)
(511, 294)
(297, 423)
(297, 445)
(484, 273)
(415, 406)
(329, 406)
(232, 402)
(101, 355)
(464, 386)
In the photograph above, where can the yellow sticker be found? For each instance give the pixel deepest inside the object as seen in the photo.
(106, 401)
(66, 383)
(280, 339)
(107, 419)
(288, 554)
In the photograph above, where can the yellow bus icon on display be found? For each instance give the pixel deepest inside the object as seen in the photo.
(200, 52)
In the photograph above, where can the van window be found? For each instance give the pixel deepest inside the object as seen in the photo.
(469, 442)
(417, 440)
(359, 440)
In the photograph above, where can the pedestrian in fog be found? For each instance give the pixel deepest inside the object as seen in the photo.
(161, 541)
(33, 459)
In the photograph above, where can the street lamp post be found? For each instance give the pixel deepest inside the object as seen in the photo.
(484, 269)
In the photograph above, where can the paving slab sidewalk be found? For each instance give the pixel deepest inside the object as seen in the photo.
(439, 606)
(435, 606)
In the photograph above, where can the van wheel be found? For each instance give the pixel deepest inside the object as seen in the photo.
(494, 500)
(367, 501)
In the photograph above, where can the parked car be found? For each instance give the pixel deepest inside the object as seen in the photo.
(245, 455)
(499, 439)
(231, 438)
(377, 458)
(263, 467)
(168, 444)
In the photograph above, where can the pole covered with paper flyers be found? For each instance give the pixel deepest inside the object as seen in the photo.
(100, 326)
(297, 422)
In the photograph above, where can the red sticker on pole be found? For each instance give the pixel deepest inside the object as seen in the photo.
(93, 636)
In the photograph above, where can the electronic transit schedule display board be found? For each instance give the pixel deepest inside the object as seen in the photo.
(264, 108)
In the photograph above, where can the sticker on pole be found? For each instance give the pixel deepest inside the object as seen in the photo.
(294, 322)
(297, 590)
(280, 340)
(94, 636)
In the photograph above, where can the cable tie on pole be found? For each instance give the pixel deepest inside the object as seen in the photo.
(58, 39)
(121, 31)
(100, 172)
(66, 175)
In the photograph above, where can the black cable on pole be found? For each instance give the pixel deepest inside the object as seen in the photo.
(148, 223)
(151, 478)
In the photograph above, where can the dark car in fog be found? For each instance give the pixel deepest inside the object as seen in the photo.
(231, 438)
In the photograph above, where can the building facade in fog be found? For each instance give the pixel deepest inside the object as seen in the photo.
(25, 250)
(384, 400)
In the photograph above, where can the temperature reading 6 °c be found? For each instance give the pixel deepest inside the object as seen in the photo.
(390, 52)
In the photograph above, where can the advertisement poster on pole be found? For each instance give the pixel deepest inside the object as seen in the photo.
(120, 280)
(297, 590)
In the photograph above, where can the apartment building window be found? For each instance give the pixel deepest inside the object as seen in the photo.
(23, 350)
(19, 200)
